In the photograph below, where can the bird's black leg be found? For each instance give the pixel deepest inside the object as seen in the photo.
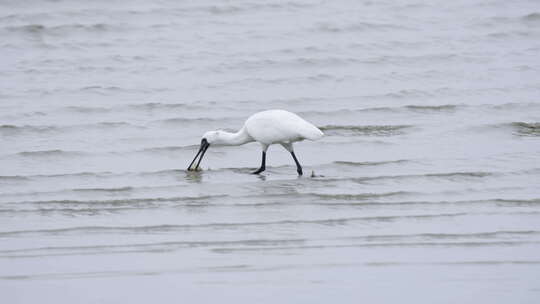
(298, 167)
(263, 164)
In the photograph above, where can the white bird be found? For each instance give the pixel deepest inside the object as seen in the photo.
(267, 128)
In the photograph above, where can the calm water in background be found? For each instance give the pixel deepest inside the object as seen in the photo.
(426, 184)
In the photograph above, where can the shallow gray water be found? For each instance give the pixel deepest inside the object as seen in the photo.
(426, 184)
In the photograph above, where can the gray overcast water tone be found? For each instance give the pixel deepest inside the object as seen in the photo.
(426, 185)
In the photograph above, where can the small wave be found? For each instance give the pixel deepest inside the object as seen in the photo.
(15, 130)
(168, 149)
(411, 60)
(10, 18)
(167, 172)
(441, 108)
(109, 124)
(532, 17)
(370, 130)
(524, 129)
(81, 109)
(101, 88)
(14, 178)
(183, 121)
(12, 130)
(72, 211)
(450, 176)
(60, 29)
(483, 235)
(519, 202)
(321, 77)
(458, 174)
(527, 129)
(127, 201)
(509, 34)
(221, 10)
(408, 94)
(495, 262)
(67, 175)
(398, 245)
(415, 108)
(49, 153)
(53, 250)
(495, 202)
(224, 225)
(22, 114)
(362, 196)
(8, 127)
(357, 27)
(120, 189)
(161, 106)
(525, 106)
(256, 64)
(29, 28)
(102, 174)
(150, 106)
(362, 164)
(408, 108)
(228, 9)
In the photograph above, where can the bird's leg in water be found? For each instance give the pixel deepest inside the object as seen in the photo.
(263, 164)
(298, 167)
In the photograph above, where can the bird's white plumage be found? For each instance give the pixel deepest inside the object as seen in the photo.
(267, 128)
(280, 126)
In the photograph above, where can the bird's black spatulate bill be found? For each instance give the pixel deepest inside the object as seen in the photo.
(202, 150)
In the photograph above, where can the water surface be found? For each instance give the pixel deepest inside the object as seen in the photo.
(425, 186)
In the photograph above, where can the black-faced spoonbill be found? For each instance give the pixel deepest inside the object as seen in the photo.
(267, 128)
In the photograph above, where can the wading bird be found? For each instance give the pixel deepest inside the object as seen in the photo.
(267, 128)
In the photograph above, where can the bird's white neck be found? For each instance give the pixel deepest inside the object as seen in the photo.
(234, 139)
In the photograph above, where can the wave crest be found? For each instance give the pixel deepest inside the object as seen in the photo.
(527, 129)
(368, 130)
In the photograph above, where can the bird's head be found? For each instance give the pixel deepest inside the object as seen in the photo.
(210, 137)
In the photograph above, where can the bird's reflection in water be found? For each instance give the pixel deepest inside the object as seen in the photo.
(194, 177)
